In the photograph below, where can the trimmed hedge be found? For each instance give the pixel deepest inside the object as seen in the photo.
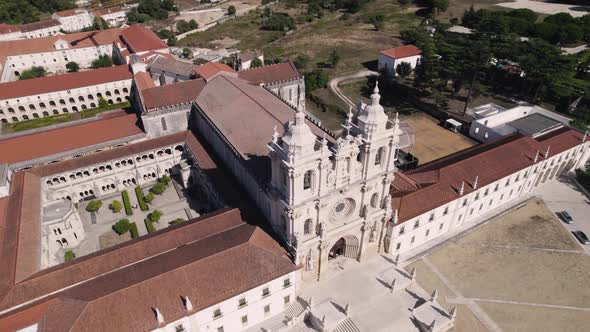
(133, 230)
(149, 225)
(128, 209)
(141, 199)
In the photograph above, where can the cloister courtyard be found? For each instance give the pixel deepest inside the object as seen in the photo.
(174, 203)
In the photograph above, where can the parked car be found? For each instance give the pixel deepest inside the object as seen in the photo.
(565, 217)
(581, 236)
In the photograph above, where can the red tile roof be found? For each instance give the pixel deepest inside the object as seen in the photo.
(44, 24)
(144, 81)
(172, 94)
(140, 39)
(8, 28)
(402, 51)
(436, 183)
(279, 72)
(70, 12)
(54, 83)
(59, 140)
(210, 69)
(109, 10)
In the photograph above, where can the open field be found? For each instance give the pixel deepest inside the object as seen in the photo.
(432, 141)
(549, 8)
(522, 271)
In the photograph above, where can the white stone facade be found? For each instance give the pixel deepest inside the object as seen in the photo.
(60, 102)
(74, 20)
(326, 203)
(292, 92)
(40, 33)
(443, 219)
(166, 121)
(61, 228)
(53, 60)
(240, 312)
(115, 19)
(389, 64)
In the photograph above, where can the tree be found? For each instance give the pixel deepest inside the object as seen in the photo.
(301, 61)
(93, 206)
(116, 206)
(278, 22)
(231, 10)
(378, 21)
(69, 255)
(334, 58)
(102, 103)
(33, 72)
(103, 60)
(122, 226)
(72, 67)
(155, 216)
(171, 41)
(187, 52)
(256, 62)
(165, 179)
(158, 188)
(149, 197)
(315, 79)
(165, 33)
(403, 69)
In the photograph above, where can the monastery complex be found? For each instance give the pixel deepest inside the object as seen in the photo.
(282, 198)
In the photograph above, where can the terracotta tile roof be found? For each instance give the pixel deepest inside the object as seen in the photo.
(54, 141)
(172, 94)
(210, 69)
(170, 65)
(119, 286)
(46, 44)
(402, 52)
(436, 183)
(233, 104)
(279, 72)
(44, 24)
(70, 12)
(54, 83)
(8, 28)
(140, 39)
(144, 81)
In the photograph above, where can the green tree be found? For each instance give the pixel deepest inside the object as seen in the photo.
(403, 69)
(171, 41)
(72, 66)
(438, 5)
(231, 10)
(301, 61)
(121, 226)
(315, 79)
(277, 21)
(256, 62)
(93, 206)
(334, 59)
(165, 34)
(69, 255)
(187, 52)
(33, 72)
(165, 179)
(158, 188)
(116, 206)
(102, 103)
(378, 21)
(149, 197)
(103, 60)
(155, 216)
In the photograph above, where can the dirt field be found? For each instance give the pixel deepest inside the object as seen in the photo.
(516, 269)
(432, 141)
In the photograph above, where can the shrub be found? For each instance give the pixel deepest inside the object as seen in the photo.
(128, 209)
(116, 206)
(141, 199)
(177, 221)
(256, 62)
(149, 225)
(159, 188)
(33, 72)
(69, 255)
(102, 61)
(155, 216)
(93, 206)
(165, 179)
(72, 67)
(231, 10)
(278, 22)
(133, 230)
(122, 226)
(149, 197)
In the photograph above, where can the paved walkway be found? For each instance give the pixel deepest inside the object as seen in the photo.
(334, 82)
(465, 300)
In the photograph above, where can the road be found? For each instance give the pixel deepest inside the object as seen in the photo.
(564, 195)
(334, 82)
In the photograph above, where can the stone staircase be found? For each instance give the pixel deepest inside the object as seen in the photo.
(347, 326)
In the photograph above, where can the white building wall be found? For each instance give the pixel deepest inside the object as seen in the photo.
(53, 61)
(11, 36)
(230, 319)
(115, 19)
(46, 32)
(167, 121)
(59, 102)
(432, 224)
(386, 63)
(82, 19)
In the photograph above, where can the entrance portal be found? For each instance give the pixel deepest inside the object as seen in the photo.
(337, 249)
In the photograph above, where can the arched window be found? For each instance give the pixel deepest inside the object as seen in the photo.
(379, 156)
(163, 121)
(80, 98)
(72, 100)
(307, 180)
(374, 200)
(347, 164)
(42, 105)
(52, 103)
(307, 226)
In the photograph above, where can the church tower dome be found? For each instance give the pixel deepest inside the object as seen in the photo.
(298, 135)
(373, 114)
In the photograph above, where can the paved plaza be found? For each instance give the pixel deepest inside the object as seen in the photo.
(520, 271)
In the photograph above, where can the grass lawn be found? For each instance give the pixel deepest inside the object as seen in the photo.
(57, 119)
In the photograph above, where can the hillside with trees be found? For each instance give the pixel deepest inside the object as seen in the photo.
(27, 11)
